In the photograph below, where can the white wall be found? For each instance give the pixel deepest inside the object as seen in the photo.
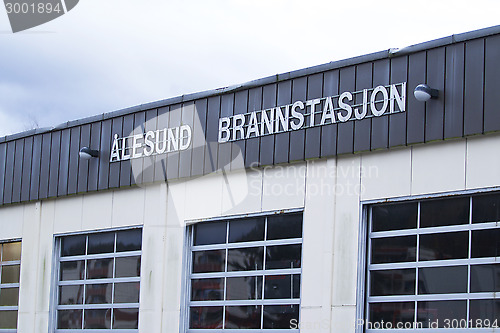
(330, 191)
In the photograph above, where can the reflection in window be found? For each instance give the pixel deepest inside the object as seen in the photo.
(439, 311)
(99, 281)
(248, 278)
(10, 269)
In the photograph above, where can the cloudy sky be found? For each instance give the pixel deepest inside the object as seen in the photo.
(106, 55)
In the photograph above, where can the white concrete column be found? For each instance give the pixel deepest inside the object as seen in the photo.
(345, 245)
(317, 246)
(153, 258)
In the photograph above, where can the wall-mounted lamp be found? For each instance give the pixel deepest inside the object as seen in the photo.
(87, 153)
(423, 92)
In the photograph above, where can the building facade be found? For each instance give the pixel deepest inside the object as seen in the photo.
(328, 199)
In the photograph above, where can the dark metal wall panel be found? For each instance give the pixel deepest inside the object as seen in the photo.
(345, 134)
(434, 111)
(62, 183)
(252, 151)
(185, 157)
(199, 130)
(362, 128)
(148, 172)
(27, 167)
(282, 140)
(138, 164)
(35, 167)
(492, 84)
(398, 121)
(105, 144)
(94, 164)
(74, 160)
(416, 109)
(474, 80)
(380, 125)
(18, 171)
(83, 165)
(313, 135)
(211, 149)
(9, 172)
(297, 138)
(114, 167)
(269, 95)
(3, 158)
(329, 132)
(238, 148)
(174, 120)
(125, 166)
(454, 91)
(45, 166)
(55, 155)
(161, 160)
(224, 154)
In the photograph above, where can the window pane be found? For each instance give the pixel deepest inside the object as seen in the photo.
(243, 317)
(11, 251)
(97, 318)
(72, 270)
(280, 316)
(9, 296)
(439, 311)
(98, 293)
(392, 282)
(73, 245)
(442, 280)
(483, 312)
(450, 245)
(127, 292)
(245, 259)
(99, 268)
(205, 317)
(209, 261)
(284, 226)
(101, 243)
(486, 208)
(485, 243)
(128, 266)
(126, 318)
(282, 286)
(485, 278)
(241, 288)
(128, 240)
(391, 312)
(210, 233)
(10, 274)
(71, 295)
(394, 216)
(207, 289)
(283, 256)
(441, 212)
(246, 230)
(8, 319)
(394, 249)
(67, 319)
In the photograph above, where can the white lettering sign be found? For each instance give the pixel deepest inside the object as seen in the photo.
(151, 143)
(347, 106)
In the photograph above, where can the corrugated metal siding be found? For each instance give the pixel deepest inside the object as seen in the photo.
(466, 73)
